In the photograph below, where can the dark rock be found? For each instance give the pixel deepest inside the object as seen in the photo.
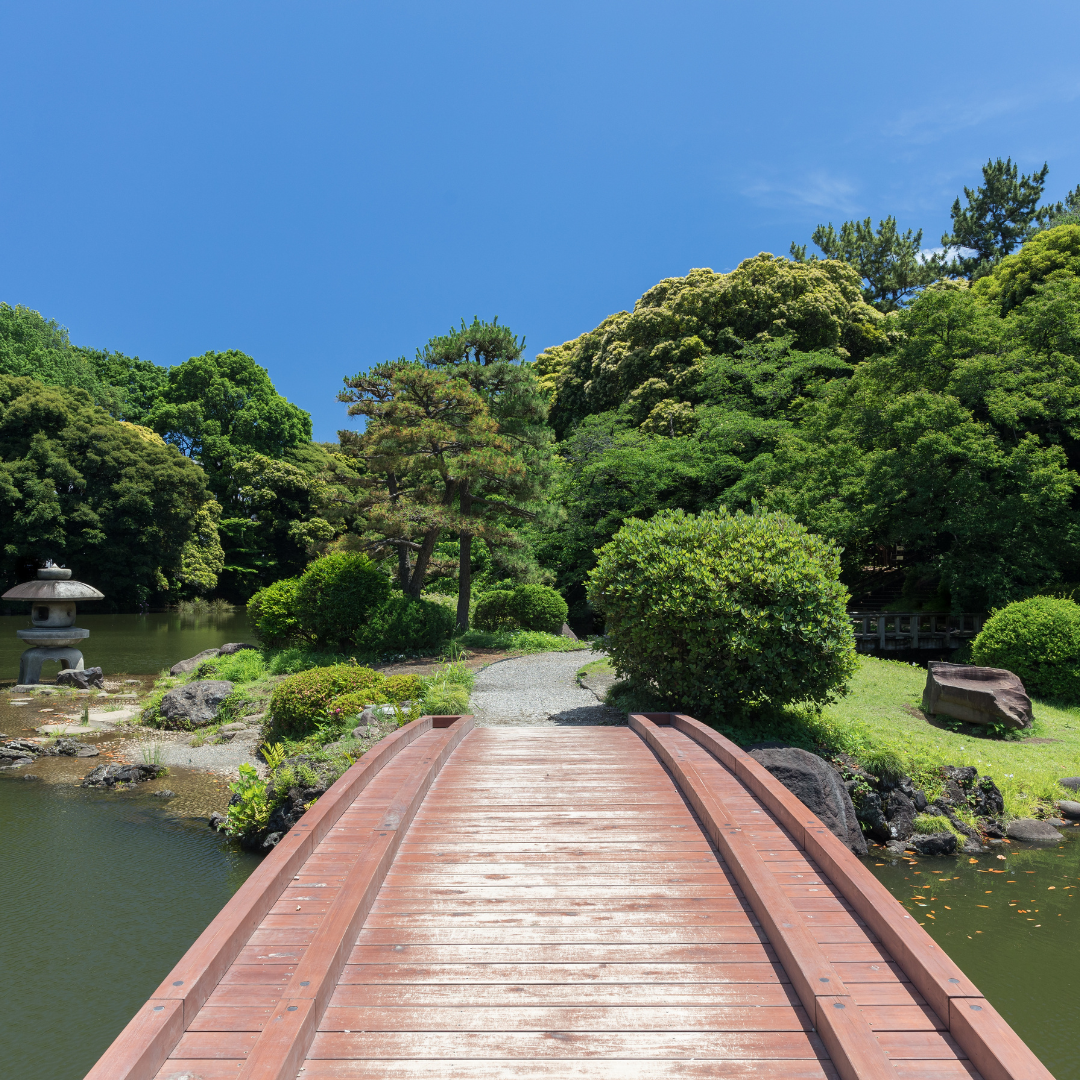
(972, 846)
(195, 704)
(986, 800)
(164, 793)
(871, 813)
(897, 847)
(1068, 808)
(964, 775)
(272, 840)
(944, 810)
(953, 795)
(24, 748)
(14, 762)
(31, 776)
(217, 821)
(993, 829)
(920, 800)
(819, 786)
(976, 695)
(111, 775)
(235, 647)
(900, 811)
(1035, 832)
(1071, 782)
(71, 748)
(184, 666)
(81, 678)
(942, 843)
(1055, 821)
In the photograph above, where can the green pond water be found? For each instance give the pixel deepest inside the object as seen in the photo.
(129, 644)
(1013, 927)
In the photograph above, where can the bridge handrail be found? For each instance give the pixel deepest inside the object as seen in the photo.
(991, 1044)
(140, 1050)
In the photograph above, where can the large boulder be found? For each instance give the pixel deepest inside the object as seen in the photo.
(1068, 808)
(976, 695)
(192, 662)
(234, 647)
(1033, 831)
(195, 704)
(819, 787)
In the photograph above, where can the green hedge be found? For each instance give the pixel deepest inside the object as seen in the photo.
(336, 596)
(528, 607)
(402, 624)
(725, 612)
(272, 612)
(300, 700)
(1039, 641)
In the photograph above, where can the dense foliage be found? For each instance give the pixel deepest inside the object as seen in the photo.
(336, 596)
(402, 624)
(1037, 639)
(527, 607)
(722, 612)
(127, 513)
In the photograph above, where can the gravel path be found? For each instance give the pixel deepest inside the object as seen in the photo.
(541, 689)
(176, 749)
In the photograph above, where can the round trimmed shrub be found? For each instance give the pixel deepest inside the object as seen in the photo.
(537, 607)
(398, 688)
(335, 596)
(1038, 640)
(492, 611)
(300, 700)
(350, 705)
(272, 612)
(402, 624)
(723, 612)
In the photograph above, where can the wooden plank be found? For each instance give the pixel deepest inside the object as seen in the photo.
(503, 972)
(994, 1048)
(584, 953)
(777, 1045)
(461, 1018)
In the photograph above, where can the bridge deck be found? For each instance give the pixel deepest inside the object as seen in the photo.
(585, 902)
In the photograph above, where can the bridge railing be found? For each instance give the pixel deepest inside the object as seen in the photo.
(891, 631)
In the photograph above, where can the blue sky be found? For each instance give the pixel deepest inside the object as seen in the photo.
(326, 185)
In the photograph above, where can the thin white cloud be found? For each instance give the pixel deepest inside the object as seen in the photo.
(819, 189)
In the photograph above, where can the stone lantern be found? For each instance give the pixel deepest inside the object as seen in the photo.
(53, 634)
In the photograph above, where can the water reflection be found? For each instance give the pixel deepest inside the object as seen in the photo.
(132, 644)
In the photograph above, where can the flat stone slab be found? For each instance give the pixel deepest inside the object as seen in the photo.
(976, 695)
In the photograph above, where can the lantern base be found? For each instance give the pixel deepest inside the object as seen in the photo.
(30, 663)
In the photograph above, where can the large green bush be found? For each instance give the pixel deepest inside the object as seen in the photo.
(537, 607)
(492, 611)
(300, 700)
(1038, 640)
(723, 612)
(336, 595)
(272, 612)
(528, 607)
(402, 624)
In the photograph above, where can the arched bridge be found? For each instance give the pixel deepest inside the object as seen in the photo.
(593, 902)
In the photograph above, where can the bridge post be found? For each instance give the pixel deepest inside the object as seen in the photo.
(881, 632)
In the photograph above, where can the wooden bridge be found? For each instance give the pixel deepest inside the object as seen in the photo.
(605, 902)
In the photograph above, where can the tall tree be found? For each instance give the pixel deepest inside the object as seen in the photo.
(889, 261)
(1000, 215)
(488, 357)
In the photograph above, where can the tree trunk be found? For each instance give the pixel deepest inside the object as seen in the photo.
(402, 551)
(423, 557)
(464, 588)
(464, 593)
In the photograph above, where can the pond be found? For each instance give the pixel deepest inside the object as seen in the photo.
(131, 644)
(1012, 926)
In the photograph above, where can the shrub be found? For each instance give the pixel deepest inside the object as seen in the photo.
(928, 824)
(402, 624)
(272, 612)
(537, 607)
(1039, 641)
(724, 612)
(300, 700)
(399, 688)
(335, 596)
(528, 607)
(492, 611)
(351, 705)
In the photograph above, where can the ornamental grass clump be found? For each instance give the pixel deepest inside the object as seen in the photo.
(723, 613)
(1038, 640)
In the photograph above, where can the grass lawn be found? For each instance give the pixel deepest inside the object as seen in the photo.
(872, 723)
